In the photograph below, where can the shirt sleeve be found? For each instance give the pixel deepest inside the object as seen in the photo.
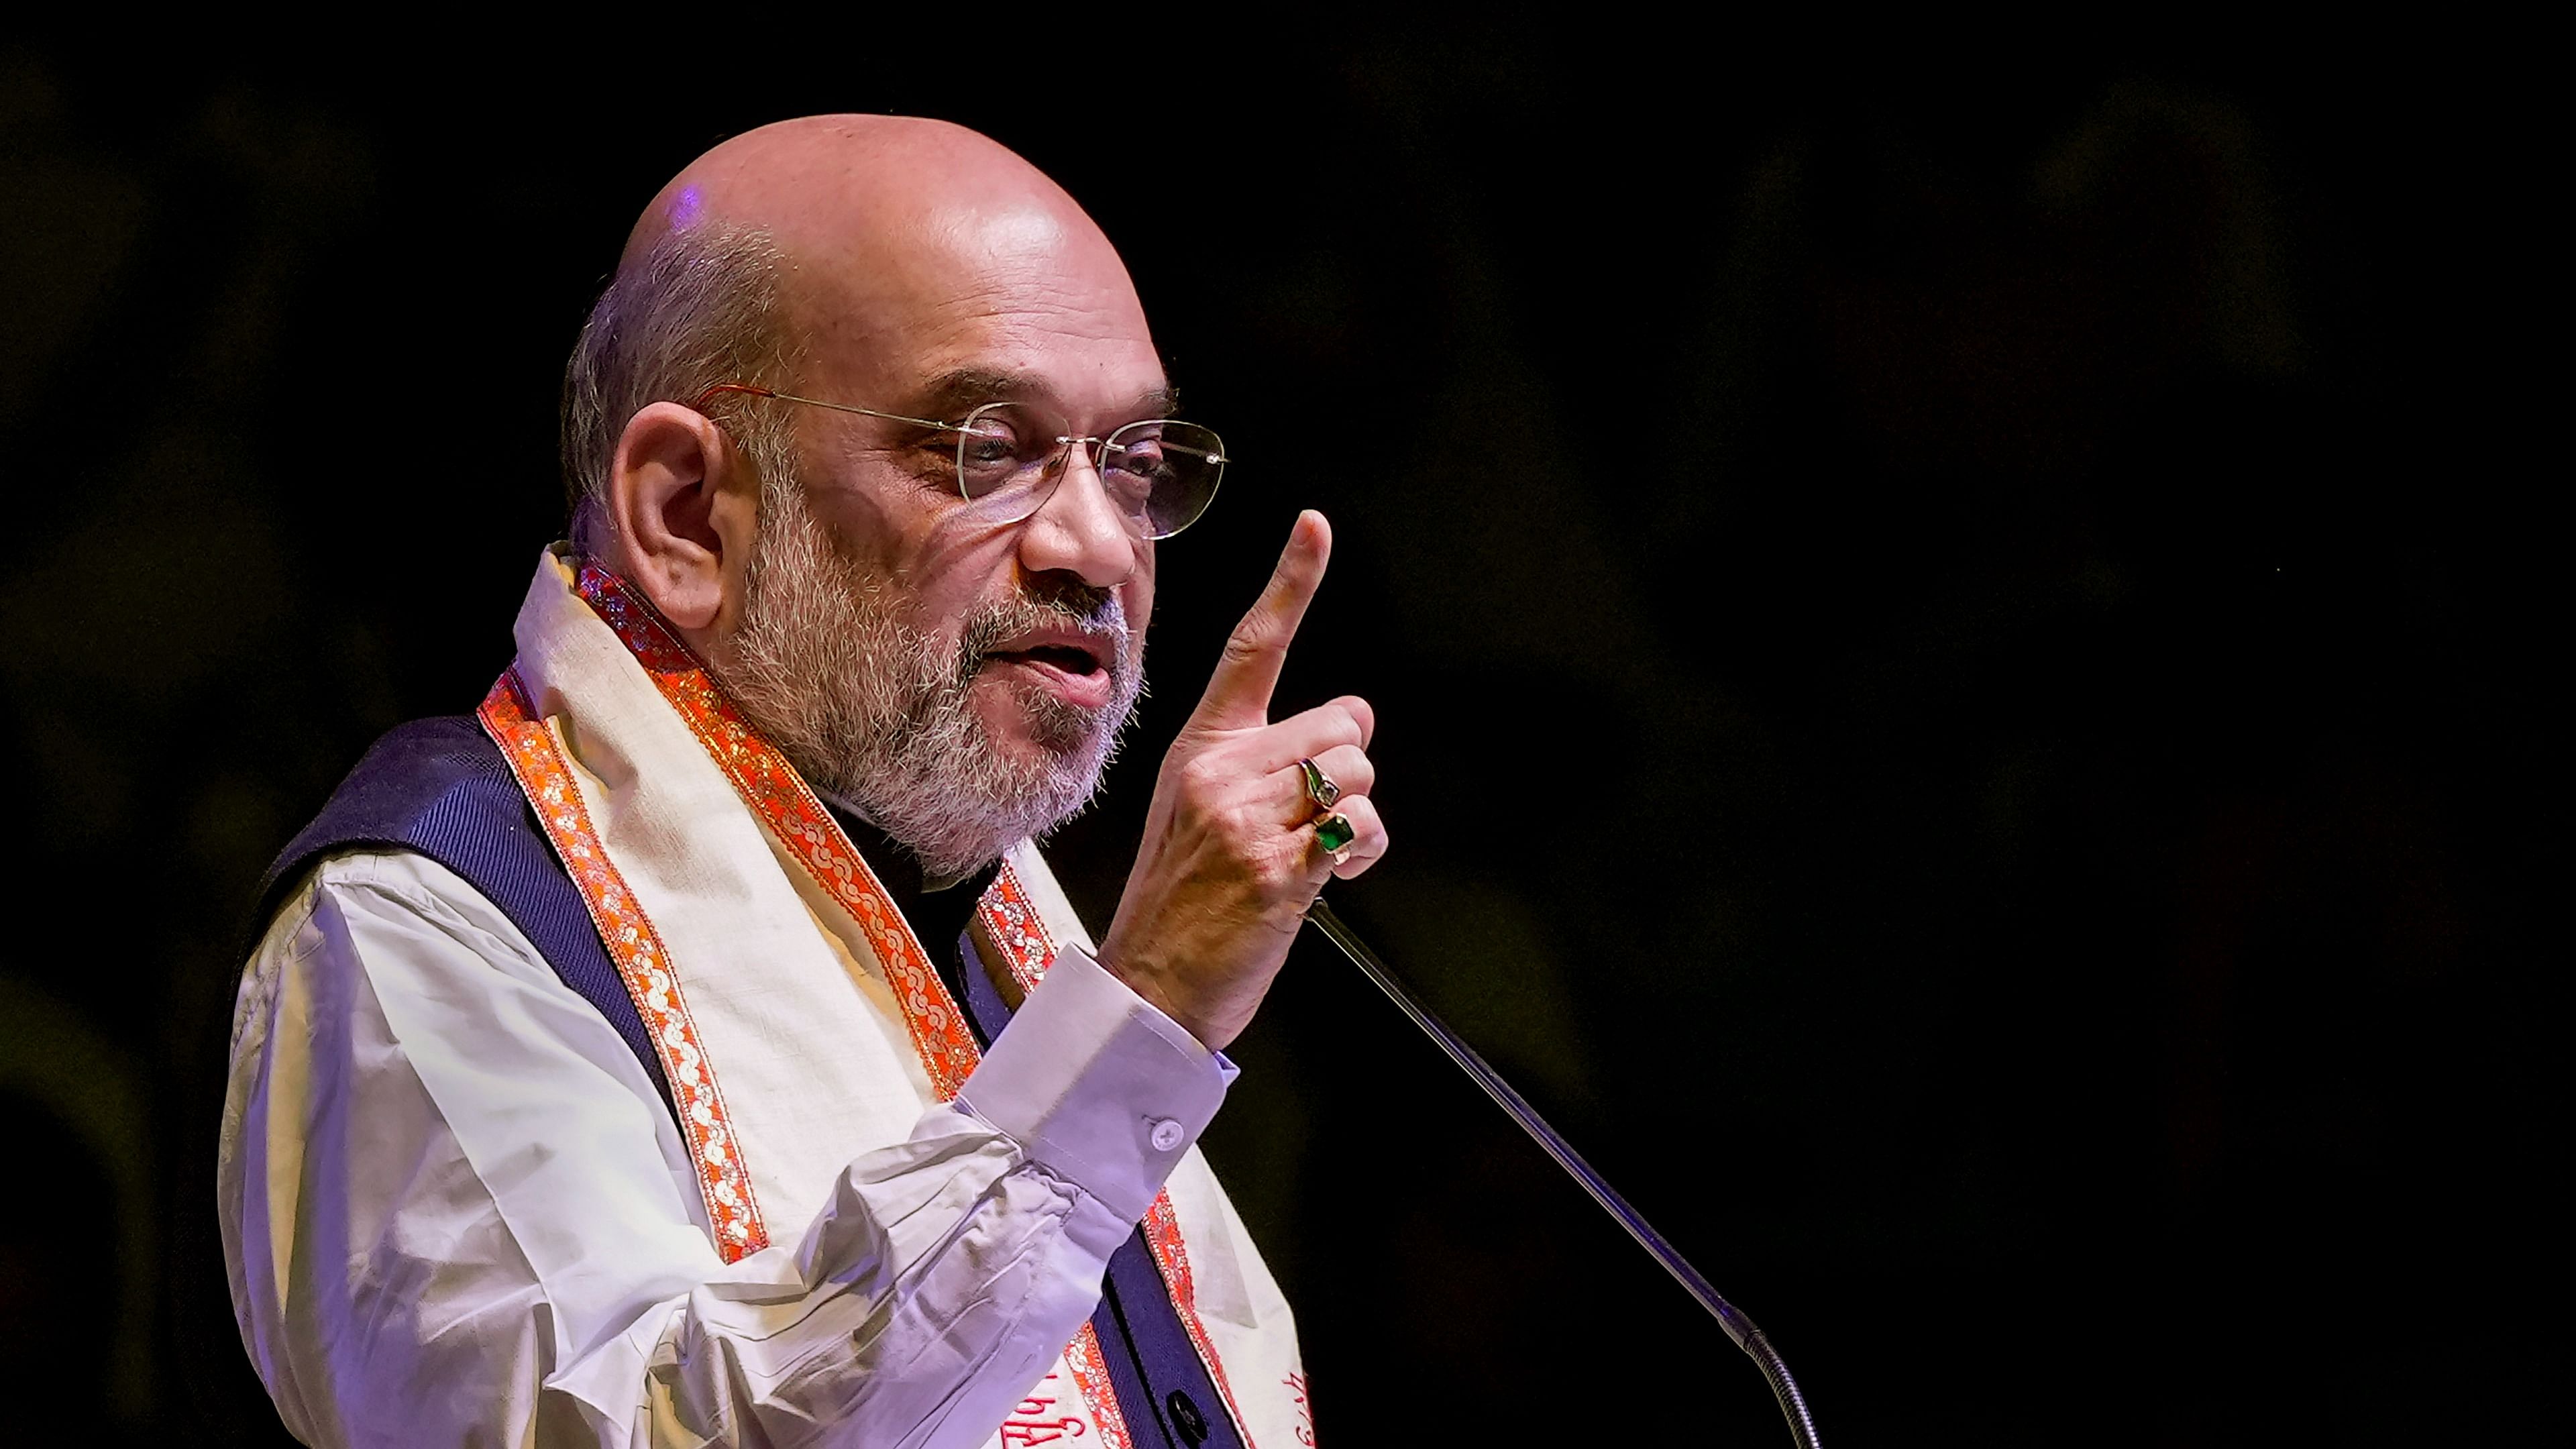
(455, 1209)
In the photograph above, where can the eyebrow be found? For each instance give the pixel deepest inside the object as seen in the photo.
(959, 391)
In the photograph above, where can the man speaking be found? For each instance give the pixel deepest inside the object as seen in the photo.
(627, 1063)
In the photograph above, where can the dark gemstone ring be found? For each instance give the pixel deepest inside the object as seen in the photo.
(1319, 786)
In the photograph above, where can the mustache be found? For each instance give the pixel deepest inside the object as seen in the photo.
(1036, 605)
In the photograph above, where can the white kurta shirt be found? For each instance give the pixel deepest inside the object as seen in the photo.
(456, 1210)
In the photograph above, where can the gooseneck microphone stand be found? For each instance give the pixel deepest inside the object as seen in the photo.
(1793, 1405)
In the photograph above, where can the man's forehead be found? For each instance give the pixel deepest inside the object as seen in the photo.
(940, 354)
(962, 269)
(956, 391)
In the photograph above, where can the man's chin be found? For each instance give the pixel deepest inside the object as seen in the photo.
(1031, 725)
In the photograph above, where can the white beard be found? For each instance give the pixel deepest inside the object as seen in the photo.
(830, 670)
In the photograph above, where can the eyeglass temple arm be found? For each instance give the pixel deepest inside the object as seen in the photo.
(748, 390)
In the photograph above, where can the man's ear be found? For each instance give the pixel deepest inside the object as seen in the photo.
(684, 505)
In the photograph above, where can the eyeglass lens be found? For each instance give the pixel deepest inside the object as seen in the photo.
(1160, 473)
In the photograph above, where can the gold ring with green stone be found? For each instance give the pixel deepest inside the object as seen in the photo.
(1319, 786)
(1335, 833)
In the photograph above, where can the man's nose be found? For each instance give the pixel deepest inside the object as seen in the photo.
(1078, 530)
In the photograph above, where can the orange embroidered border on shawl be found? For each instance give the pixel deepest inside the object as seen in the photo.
(1016, 926)
(641, 962)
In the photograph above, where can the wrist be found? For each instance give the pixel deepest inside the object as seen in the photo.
(1155, 987)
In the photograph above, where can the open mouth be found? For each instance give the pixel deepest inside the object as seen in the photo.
(1073, 671)
(1069, 658)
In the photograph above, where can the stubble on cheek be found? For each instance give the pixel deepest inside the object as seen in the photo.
(925, 740)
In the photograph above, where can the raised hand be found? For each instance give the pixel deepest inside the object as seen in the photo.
(1230, 860)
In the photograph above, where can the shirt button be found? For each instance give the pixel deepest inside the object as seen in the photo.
(1167, 1134)
(1187, 1418)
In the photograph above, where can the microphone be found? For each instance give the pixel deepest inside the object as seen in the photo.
(1793, 1405)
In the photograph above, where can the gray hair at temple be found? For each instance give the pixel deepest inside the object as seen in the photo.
(699, 308)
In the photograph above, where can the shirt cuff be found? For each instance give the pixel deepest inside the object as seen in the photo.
(1097, 1085)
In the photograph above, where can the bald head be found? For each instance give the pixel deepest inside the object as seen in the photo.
(850, 257)
(891, 229)
(822, 184)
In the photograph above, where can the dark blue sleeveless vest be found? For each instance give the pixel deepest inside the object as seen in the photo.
(441, 788)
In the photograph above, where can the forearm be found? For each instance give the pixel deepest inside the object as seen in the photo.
(451, 1233)
(938, 1284)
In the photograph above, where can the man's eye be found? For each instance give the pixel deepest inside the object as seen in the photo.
(992, 441)
(1142, 457)
(989, 453)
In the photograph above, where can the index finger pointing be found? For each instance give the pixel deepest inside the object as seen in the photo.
(1238, 693)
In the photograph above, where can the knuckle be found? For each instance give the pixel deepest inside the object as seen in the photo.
(1248, 642)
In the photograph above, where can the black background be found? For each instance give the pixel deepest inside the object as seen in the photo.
(1959, 649)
